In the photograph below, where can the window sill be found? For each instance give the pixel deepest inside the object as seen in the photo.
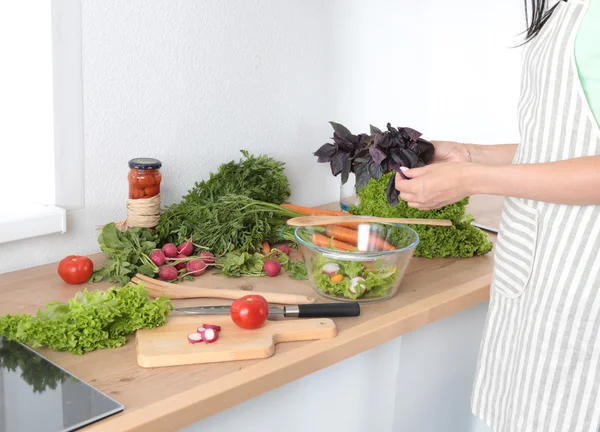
(27, 220)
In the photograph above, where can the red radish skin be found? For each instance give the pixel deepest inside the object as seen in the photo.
(207, 257)
(196, 267)
(272, 268)
(284, 248)
(211, 326)
(200, 330)
(170, 250)
(158, 257)
(210, 335)
(185, 248)
(330, 268)
(167, 273)
(194, 338)
(180, 266)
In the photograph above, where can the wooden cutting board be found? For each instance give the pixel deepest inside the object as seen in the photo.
(168, 345)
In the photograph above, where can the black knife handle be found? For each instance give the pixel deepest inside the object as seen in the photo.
(326, 310)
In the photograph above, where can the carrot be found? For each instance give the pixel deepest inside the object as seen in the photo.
(322, 241)
(310, 211)
(337, 278)
(351, 236)
(266, 247)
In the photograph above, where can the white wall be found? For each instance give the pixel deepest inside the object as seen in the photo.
(192, 82)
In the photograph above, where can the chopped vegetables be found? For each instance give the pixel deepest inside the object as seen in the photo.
(330, 268)
(354, 279)
(210, 335)
(352, 237)
(211, 326)
(194, 338)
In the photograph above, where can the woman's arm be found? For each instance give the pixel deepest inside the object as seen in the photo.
(573, 182)
(499, 154)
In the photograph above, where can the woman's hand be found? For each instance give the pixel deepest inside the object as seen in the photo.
(434, 186)
(449, 151)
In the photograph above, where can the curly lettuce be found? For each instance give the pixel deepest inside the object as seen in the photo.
(461, 240)
(88, 321)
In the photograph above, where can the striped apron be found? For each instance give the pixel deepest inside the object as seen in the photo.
(539, 364)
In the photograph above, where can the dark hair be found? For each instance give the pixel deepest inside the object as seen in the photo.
(536, 15)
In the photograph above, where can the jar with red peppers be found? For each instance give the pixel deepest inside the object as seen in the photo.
(144, 178)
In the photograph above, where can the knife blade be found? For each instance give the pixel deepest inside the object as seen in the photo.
(485, 227)
(324, 310)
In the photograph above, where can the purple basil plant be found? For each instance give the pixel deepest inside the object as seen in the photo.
(371, 156)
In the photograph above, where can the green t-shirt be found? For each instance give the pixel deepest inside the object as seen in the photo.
(587, 56)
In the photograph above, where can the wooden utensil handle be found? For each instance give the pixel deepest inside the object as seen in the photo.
(332, 220)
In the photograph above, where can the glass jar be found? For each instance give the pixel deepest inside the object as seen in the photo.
(348, 195)
(144, 178)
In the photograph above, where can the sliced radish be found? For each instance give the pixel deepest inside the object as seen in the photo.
(200, 330)
(210, 335)
(355, 283)
(330, 268)
(211, 326)
(194, 338)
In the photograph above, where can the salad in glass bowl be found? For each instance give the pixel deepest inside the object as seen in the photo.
(362, 262)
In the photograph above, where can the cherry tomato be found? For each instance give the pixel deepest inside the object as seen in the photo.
(146, 181)
(75, 269)
(136, 193)
(151, 191)
(249, 312)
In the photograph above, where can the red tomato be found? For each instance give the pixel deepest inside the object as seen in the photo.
(75, 269)
(249, 312)
(151, 191)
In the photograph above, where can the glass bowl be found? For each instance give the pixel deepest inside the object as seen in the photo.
(368, 266)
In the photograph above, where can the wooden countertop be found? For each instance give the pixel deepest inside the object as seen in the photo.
(174, 397)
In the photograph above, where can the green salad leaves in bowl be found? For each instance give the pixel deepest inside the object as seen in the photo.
(361, 262)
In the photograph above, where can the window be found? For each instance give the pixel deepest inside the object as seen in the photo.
(41, 141)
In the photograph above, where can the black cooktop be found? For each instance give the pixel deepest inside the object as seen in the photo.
(37, 395)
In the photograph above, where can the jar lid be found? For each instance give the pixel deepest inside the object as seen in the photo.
(145, 163)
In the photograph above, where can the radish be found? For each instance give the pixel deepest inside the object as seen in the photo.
(194, 338)
(185, 248)
(180, 265)
(284, 248)
(196, 267)
(330, 268)
(200, 330)
(210, 335)
(272, 268)
(355, 283)
(170, 250)
(207, 257)
(210, 326)
(167, 273)
(158, 257)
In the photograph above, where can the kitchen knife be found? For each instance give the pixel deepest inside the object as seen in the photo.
(485, 228)
(323, 310)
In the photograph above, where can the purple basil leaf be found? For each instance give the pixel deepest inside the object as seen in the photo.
(346, 169)
(323, 159)
(377, 154)
(398, 157)
(391, 192)
(326, 150)
(338, 161)
(394, 166)
(413, 134)
(425, 150)
(375, 130)
(362, 176)
(410, 158)
(341, 131)
(390, 128)
(375, 171)
(385, 140)
(342, 144)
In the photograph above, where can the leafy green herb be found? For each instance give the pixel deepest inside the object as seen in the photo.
(127, 253)
(296, 269)
(35, 371)
(231, 223)
(88, 321)
(461, 240)
(379, 278)
(241, 264)
(260, 177)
